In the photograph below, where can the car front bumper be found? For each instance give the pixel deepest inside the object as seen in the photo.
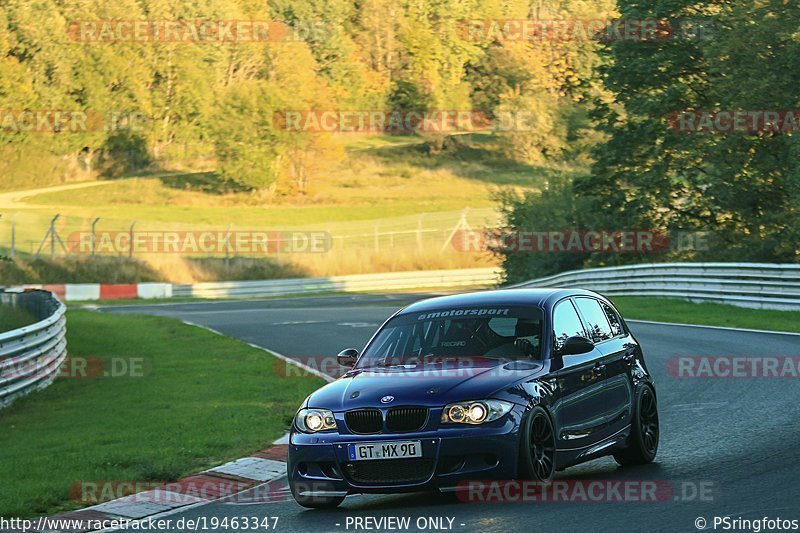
(319, 464)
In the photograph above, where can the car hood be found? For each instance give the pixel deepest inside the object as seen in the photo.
(429, 385)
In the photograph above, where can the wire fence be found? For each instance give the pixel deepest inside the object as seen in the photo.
(58, 236)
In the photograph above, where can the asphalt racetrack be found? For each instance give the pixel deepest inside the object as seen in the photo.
(730, 447)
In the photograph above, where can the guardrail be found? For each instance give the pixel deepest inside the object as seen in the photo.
(431, 279)
(756, 285)
(31, 356)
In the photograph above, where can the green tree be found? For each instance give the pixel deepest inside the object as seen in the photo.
(253, 147)
(246, 140)
(742, 185)
(555, 208)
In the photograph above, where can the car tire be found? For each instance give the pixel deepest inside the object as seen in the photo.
(316, 502)
(643, 441)
(537, 459)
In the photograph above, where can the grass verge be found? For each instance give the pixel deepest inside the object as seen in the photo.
(121, 270)
(199, 400)
(706, 314)
(382, 176)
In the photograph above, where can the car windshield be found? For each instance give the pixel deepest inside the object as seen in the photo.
(434, 336)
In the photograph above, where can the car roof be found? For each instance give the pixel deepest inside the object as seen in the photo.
(526, 297)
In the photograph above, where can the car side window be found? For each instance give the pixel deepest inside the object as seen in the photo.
(596, 320)
(566, 323)
(613, 319)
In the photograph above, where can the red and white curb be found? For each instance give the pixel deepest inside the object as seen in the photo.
(72, 292)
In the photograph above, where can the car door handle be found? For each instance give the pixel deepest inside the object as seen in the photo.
(598, 369)
(630, 355)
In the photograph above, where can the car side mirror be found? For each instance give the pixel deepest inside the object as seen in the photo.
(576, 345)
(347, 357)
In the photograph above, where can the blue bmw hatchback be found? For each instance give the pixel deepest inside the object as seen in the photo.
(508, 384)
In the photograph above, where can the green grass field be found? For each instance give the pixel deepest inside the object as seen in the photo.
(391, 185)
(382, 176)
(706, 314)
(200, 400)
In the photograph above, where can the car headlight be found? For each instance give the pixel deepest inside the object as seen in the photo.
(475, 412)
(314, 420)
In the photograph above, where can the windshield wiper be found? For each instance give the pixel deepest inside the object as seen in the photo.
(383, 365)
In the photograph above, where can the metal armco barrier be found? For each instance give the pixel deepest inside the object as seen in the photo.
(756, 285)
(431, 279)
(30, 357)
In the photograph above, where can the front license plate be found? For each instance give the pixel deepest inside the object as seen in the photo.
(385, 450)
